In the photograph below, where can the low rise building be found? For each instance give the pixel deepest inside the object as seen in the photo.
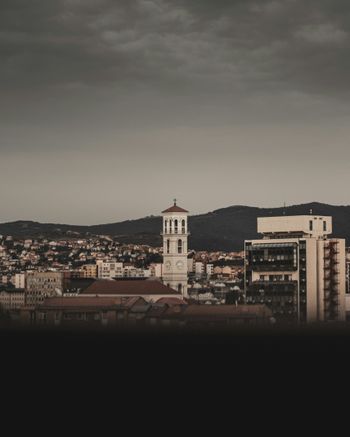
(89, 271)
(149, 289)
(87, 310)
(12, 299)
(156, 270)
(20, 280)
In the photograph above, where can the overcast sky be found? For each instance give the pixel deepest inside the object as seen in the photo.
(111, 108)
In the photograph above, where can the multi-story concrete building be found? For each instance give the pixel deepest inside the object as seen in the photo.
(12, 300)
(209, 268)
(175, 236)
(20, 280)
(133, 272)
(109, 269)
(296, 269)
(199, 269)
(40, 285)
(89, 271)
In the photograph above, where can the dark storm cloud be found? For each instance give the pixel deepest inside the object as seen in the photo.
(240, 46)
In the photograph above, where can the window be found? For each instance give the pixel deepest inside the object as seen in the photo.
(170, 226)
(166, 226)
(311, 225)
(167, 246)
(324, 225)
(179, 246)
(176, 226)
(183, 226)
(179, 288)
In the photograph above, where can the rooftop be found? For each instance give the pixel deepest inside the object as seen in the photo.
(174, 208)
(135, 288)
(89, 302)
(209, 312)
(314, 225)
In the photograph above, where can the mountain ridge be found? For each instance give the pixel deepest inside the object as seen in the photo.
(220, 229)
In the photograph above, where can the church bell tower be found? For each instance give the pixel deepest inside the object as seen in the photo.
(175, 236)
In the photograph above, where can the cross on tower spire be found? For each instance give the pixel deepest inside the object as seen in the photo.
(174, 202)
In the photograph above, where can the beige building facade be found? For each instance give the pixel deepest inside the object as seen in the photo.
(296, 269)
(40, 285)
(12, 300)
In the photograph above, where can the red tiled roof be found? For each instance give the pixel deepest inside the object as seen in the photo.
(171, 301)
(220, 311)
(174, 208)
(84, 302)
(127, 288)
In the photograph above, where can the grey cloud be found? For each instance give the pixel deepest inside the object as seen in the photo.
(210, 46)
(322, 34)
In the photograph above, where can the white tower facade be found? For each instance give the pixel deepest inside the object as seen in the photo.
(175, 236)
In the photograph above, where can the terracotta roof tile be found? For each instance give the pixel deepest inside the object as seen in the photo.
(174, 208)
(78, 302)
(211, 312)
(171, 301)
(135, 288)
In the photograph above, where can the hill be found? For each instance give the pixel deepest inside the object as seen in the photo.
(222, 229)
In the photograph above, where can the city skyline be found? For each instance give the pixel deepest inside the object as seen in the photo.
(111, 109)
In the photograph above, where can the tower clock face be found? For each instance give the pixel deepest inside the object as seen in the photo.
(179, 265)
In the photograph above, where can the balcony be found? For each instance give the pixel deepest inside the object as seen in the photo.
(271, 288)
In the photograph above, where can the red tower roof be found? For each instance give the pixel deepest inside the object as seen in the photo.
(174, 208)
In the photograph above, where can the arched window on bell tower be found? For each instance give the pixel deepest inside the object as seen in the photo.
(166, 226)
(167, 246)
(184, 226)
(179, 246)
(170, 226)
(175, 226)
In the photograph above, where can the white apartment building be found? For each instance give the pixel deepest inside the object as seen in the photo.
(134, 272)
(296, 269)
(199, 269)
(109, 269)
(113, 269)
(20, 280)
(209, 268)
